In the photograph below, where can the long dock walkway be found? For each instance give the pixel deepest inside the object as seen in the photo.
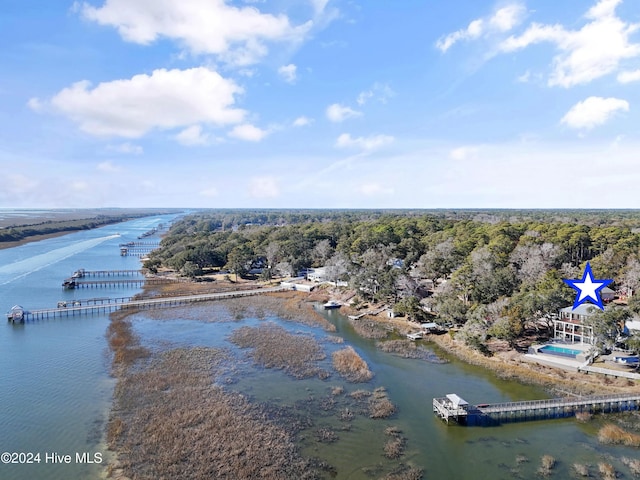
(72, 283)
(82, 273)
(453, 407)
(149, 303)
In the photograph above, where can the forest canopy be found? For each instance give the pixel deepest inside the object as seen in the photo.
(499, 268)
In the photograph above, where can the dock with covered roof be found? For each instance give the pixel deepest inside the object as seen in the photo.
(453, 407)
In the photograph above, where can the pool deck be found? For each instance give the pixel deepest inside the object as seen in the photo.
(571, 365)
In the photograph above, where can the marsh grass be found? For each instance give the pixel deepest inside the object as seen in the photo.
(615, 435)
(583, 417)
(394, 447)
(581, 469)
(547, 462)
(409, 349)
(633, 464)
(404, 472)
(360, 394)
(124, 344)
(379, 404)
(607, 471)
(273, 347)
(171, 421)
(351, 366)
(369, 329)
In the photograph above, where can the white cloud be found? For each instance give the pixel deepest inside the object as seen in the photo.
(593, 111)
(338, 113)
(379, 91)
(583, 55)
(372, 189)
(236, 34)
(264, 187)
(109, 167)
(464, 153)
(248, 132)
(319, 5)
(35, 104)
(629, 76)
(166, 99)
(288, 73)
(372, 142)
(302, 121)
(192, 136)
(502, 20)
(508, 17)
(126, 148)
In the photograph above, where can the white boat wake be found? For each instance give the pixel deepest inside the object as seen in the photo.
(25, 267)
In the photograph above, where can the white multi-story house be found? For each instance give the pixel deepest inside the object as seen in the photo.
(570, 325)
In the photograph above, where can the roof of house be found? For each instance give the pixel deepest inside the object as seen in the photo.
(607, 290)
(633, 324)
(583, 309)
(456, 400)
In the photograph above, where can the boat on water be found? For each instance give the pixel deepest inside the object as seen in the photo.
(331, 304)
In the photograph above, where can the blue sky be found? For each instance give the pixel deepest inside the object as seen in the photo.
(320, 103)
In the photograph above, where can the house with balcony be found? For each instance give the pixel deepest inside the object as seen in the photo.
(570, 325)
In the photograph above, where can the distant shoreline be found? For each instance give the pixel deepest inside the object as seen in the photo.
(16, 231)
(34, 238)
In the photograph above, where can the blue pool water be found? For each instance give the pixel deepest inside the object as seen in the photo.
(562, 351)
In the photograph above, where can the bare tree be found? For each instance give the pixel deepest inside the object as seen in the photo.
(322, 251)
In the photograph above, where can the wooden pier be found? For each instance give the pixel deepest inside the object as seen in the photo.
(20, 315)
(82, 273)
(138, 249)
(72, 283)
(452, 407)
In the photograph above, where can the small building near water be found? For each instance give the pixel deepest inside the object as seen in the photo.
(451, 406)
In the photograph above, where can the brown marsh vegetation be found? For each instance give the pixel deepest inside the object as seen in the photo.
(170, 420)
(123, 342)
(409, 349)
(613, 434)
(547, 462)
(351, 366)
(273, 347)
(394, 447)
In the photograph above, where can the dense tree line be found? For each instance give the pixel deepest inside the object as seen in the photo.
(496, 270)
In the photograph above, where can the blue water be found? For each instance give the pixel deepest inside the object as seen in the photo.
(55, 388)
(562, 351)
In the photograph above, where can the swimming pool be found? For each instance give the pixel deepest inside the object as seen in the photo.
(561, 351)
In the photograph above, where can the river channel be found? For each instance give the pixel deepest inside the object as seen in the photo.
(56, 390)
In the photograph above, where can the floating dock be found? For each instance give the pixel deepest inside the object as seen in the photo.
(453, 407)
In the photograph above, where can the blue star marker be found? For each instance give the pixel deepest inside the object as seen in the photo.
(588, 288)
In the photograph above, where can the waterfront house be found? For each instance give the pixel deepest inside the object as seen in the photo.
(317, 274)
(570, 325)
